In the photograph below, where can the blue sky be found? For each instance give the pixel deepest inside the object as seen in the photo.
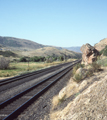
(63, 23)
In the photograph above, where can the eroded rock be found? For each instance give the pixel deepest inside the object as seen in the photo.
(89, 54)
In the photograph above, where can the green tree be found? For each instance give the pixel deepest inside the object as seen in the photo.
(23, 59)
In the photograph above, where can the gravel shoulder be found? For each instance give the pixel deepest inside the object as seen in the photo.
(41, 108)
(4, 95)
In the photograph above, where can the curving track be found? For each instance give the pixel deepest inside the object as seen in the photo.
(12, 107)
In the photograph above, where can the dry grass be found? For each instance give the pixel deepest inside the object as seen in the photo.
(55, 101)
(55, 114)
(69, 90)
(22, 68)
(72, 89)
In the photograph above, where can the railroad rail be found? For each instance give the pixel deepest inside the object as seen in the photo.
(12, 79)
(18, 80)
(12, 107)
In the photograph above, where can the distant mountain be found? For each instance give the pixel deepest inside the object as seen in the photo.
(19, 44)
(75, 49)
(101, 45)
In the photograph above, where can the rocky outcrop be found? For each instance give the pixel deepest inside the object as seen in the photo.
(89, 54)
(81, 72)
(101, 45)
(90, 103)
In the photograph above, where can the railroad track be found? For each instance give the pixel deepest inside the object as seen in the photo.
(9, 80)
(12, 107)
(17, 80)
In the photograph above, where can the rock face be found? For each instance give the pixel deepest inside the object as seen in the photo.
(101, 45)
(89, 54)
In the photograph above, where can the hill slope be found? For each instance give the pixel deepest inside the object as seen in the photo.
(52, 51)
(29, 48)
(101, 45)
(16, 43)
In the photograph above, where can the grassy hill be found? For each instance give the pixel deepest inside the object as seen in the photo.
(29, 48)
(19, 44)
(51, 51)
(8, 54)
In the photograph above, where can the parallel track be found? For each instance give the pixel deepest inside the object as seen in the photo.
(12, 107)
(9, 80)
(18, 80)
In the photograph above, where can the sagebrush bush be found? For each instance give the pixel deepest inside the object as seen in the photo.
(4, 63)
(78, 78)
(102, 62)
(76, 67)
(95, 66)
(89, 72)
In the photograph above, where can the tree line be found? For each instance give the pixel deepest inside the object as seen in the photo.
(41, 59)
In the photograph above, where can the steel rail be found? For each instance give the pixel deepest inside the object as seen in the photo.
(13, 79)
(15, 113)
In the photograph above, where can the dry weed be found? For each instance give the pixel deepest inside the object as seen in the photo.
(69, 90)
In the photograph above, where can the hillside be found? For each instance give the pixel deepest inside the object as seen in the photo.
(24, 47)
(19, 44)
(51, 51)
(8, 54)
(89, 101)
(101, 45)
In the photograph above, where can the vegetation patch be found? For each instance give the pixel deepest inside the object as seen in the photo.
(4, 63)
(79, 65)
(102, 62)
(104, 51)
(78, 78)
(19, 68)
(7, 54)
(95, 66)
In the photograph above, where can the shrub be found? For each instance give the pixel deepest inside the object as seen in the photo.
(89, 73)
(95, 66)
(23, 59)
(102, 62)
(104, 51)
(76, 67)
(4, 63)
(78, 78)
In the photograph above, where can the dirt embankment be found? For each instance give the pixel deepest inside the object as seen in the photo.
(89, 104)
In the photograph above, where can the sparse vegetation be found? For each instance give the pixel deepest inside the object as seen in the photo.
(104, 51)
(89, 72)
(4, 63)
(95, 66)
(102, 62)
(76, 67)
(22, 68)
(7, 54)
(78, 78)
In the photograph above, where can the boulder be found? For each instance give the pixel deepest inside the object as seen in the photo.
(62, 93)
(82, 72)
(89, 54)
